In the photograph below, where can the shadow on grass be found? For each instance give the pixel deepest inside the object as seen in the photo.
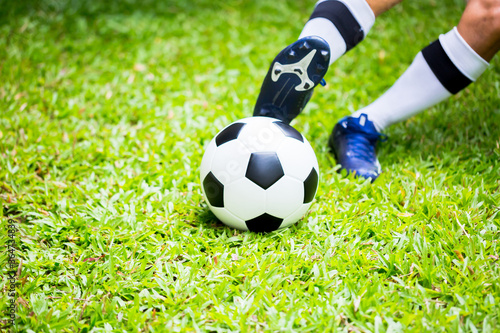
(210, 222)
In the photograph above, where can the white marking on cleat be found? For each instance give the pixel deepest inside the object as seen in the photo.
(298, 68)
(362, 120)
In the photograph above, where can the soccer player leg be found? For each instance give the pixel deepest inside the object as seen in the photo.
(480, 27)
(380, 6)
(335, 27)
(440, 70)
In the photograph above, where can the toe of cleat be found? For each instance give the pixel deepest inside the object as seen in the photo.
(353, 145)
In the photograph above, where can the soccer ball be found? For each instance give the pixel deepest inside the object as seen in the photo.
(259, 174)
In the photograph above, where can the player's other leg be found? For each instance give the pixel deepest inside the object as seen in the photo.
(441, 69)
(335, 27)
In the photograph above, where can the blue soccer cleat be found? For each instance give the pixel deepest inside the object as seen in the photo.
(290, 81)
(353, 142)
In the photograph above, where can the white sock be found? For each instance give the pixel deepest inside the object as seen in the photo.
(341, 23)
(443, 68)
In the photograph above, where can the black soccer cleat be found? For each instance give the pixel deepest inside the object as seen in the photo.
(293, 75)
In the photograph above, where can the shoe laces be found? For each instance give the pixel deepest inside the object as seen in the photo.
(361, 141)
(361, 147)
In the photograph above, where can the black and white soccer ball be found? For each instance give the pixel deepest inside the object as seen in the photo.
(259, 174)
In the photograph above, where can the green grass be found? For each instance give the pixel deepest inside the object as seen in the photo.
(105, 109)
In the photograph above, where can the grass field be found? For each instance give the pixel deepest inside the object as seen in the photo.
(105, 110)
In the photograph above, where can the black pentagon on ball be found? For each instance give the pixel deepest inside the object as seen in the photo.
(310, 186)
(289, 131)
(264, 223)
(214, 190)
(264, 169)
(229, 133)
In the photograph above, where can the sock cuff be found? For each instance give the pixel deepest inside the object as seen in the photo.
(362, 12)
(352, 18)
(462, 55)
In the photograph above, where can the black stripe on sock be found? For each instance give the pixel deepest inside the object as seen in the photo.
(342, 18)
(445, 70)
